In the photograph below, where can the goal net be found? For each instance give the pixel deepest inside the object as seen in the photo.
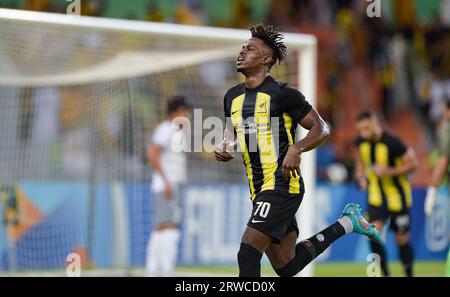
(79, 100)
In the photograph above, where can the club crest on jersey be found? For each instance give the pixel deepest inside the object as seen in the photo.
(262, 107)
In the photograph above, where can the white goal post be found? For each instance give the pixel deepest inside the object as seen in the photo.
(226, 43)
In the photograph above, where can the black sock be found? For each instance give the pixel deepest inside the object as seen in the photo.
(309, 249)
(407, 257)
(322, 240)
(379, 249)
(249, 261)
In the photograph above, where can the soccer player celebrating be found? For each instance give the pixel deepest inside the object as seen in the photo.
(264, 116)
(382, 165)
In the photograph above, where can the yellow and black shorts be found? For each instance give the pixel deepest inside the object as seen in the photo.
(274, 213)
(399, 222)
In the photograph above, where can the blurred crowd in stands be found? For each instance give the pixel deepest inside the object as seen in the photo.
(397, 64)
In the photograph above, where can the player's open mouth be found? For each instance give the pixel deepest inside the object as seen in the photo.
(240, 60)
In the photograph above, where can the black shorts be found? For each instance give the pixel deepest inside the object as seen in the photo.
(274, 213)
(400, 222)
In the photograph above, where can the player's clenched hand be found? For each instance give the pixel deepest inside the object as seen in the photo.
(381, 170)
(291, 163)
(221, 153)
(168, 192)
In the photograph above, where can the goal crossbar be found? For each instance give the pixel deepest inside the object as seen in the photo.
(304, 44)
(164, 29)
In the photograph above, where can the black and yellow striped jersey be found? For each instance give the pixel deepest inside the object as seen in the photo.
(392, 192)
(265, 119)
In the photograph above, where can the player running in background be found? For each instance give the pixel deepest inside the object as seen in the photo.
(382, 165)
(441, 169)
(168, 160)
(264, 116)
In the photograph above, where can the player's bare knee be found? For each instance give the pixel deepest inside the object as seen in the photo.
(402, 239)
(256, 239)
(378, 224)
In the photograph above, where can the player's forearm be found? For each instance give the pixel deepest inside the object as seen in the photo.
(401, 170)
(439, 171)
(156, 166)
(153, 162)
(317, 135)
(409, 165)
(359, 172)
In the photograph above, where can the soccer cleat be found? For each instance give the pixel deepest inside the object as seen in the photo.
(360, 225)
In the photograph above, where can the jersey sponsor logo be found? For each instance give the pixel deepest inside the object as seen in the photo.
(253, 128)
(249, 128)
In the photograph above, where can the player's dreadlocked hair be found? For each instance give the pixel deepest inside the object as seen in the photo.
(273, 38)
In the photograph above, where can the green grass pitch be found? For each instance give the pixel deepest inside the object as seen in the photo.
(338, 269)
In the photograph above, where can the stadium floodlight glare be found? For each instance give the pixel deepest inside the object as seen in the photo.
(87, 91)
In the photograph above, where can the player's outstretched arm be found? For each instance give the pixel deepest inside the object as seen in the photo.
(154, 157)
(409, 165)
